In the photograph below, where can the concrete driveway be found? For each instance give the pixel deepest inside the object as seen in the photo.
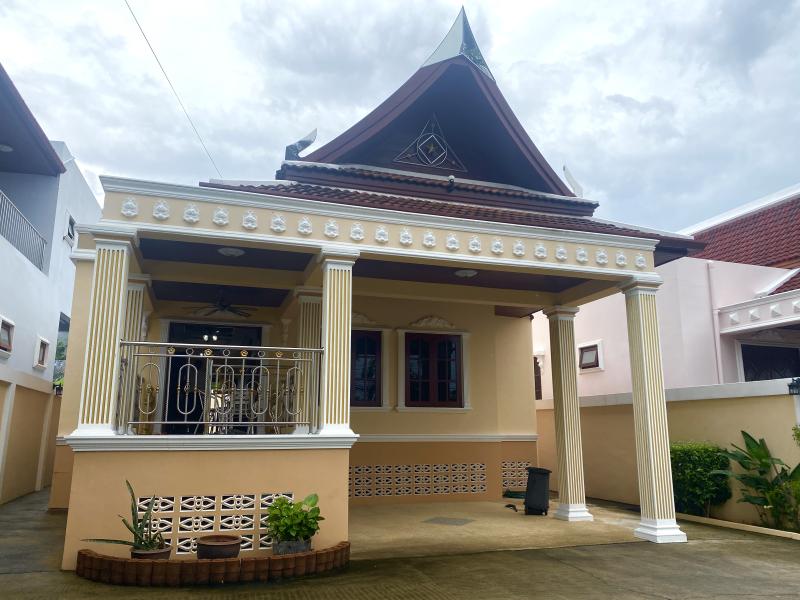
(716, 563)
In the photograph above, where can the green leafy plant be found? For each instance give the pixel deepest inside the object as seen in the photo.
(796, 434)
(289, 521)
(697, 481)
(144, 536)
(767, 483)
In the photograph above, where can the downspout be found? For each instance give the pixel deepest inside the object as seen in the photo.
(714, 319)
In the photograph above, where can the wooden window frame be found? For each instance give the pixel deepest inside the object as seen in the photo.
(377, 334)
(41, 343)
(432, 380)
(6, 349)
(598, 364)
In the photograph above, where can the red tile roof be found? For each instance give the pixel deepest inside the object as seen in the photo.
(451, 209)
(788, 286)
(769, 237)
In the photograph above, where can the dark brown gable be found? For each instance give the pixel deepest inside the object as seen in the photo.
(475, 122)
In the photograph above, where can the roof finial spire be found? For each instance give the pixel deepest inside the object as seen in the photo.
(460, 41)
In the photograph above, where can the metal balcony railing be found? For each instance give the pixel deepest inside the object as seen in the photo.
(209, 389)
(21, 233)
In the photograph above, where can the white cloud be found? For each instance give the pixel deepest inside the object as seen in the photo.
(666, 112)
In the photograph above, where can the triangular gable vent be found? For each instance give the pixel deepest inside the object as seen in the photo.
(430, 149)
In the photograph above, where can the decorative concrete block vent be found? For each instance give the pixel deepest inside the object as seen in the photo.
(368, 481)
(177, 572)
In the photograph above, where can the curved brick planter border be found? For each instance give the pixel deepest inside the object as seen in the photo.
(173, 573)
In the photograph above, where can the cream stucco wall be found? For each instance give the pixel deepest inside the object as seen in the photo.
(609, 446)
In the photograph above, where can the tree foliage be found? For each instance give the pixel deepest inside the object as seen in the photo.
(697, 482)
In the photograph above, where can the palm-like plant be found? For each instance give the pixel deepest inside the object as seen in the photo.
(145, 537)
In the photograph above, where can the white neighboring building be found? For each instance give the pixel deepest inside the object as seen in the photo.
(43, 195)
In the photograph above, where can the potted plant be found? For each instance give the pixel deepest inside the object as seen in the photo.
(291, 525)
(219, 545)
(147, 542)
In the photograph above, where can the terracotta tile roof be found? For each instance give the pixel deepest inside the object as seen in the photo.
(450, 209)
(788, 286)
(765, 237)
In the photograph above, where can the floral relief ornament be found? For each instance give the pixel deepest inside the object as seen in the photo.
(304, 226)
(331, 229)
(249, 220)
(622, 260)
(581, 255)
(161, 210)
(429, 240)
(221, 216)
(191, 214)
(561, 253)
(497, 246)
(601, 257)
(475, 244)
(452, 242)
(381, 235)
(540, 251)
(641, 261)
(356, 232)
(518, 249)
(129, 207)
(405, 237)
(278, 223)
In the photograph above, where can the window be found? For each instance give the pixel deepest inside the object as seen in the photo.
(537, 379)
(6, 336)
(770, 362)
(42, 349)
(433, 370)
(590, 357)
(365, 368)
(69, 236)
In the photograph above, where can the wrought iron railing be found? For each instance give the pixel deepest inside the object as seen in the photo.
(209, 389)
(21, 233)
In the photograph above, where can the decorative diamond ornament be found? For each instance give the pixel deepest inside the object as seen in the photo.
(430, 149)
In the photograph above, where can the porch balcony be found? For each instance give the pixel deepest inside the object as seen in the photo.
(21, 233)
(191, 389)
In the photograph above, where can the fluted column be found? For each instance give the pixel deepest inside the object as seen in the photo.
(309, 335)
(131, 332)
(567, 415)
(650, 418)
(97, 412)
(337, 291)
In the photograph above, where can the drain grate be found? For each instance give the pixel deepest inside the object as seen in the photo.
(448, 521)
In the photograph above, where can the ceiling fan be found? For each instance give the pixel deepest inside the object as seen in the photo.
(221, 305)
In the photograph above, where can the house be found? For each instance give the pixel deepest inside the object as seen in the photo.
(357, 327)
(42, 197)
(729, 321)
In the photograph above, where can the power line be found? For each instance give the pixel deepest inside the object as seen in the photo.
(172, 87)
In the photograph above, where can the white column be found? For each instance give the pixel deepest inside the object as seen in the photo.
(337, 311)
(650, 418)
(100, 383)
(131, 332)
(567, 415)
(5, 427)
(309, 335)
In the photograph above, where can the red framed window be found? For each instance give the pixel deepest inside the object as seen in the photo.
(365, 368)
(433, 370)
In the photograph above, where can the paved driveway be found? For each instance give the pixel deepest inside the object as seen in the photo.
(716, 563)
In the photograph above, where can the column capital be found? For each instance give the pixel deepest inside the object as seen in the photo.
(338, 256)
(560, 312)
(636, 287)
(113, 244)
(307, 294)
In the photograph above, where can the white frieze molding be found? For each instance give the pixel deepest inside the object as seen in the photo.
(777, 310)
(179, 443)
(432, 322)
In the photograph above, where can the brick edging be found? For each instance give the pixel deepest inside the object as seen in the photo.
(177, 572)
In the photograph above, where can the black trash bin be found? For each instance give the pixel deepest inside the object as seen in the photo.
(537, 492)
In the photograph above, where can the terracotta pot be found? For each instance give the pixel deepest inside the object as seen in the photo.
(219, 546)
(293, 547)
(158, 554)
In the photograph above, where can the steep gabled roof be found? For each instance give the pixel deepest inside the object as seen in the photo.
(454, 97)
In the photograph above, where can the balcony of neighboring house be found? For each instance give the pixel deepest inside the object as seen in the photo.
(207, 388)
(21, 233)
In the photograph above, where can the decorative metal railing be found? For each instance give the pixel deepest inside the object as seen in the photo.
(209, 389)
(21, 233)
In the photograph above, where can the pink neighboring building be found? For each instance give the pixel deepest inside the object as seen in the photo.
(730, 313)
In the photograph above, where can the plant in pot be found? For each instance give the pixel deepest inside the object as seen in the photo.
(147, 542)
(291, 525)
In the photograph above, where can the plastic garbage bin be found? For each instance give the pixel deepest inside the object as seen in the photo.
(537, 492)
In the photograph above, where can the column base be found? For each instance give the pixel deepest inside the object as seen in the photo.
(335, 429)
(573, 512)
(104, 429)
(660, 531)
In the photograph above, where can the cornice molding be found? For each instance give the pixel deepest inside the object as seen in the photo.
(450, 437)
(189, 443)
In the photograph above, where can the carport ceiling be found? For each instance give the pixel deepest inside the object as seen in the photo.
(209, 293)
(509, 280)
(261, 258)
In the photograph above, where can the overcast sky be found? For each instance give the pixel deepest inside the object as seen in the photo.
(666, 112)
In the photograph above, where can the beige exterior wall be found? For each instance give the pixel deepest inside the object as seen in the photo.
(209, 474)
(609, 446)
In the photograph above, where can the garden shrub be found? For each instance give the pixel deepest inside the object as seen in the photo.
(696, 485)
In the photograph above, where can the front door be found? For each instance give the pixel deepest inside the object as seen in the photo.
(185, 407)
